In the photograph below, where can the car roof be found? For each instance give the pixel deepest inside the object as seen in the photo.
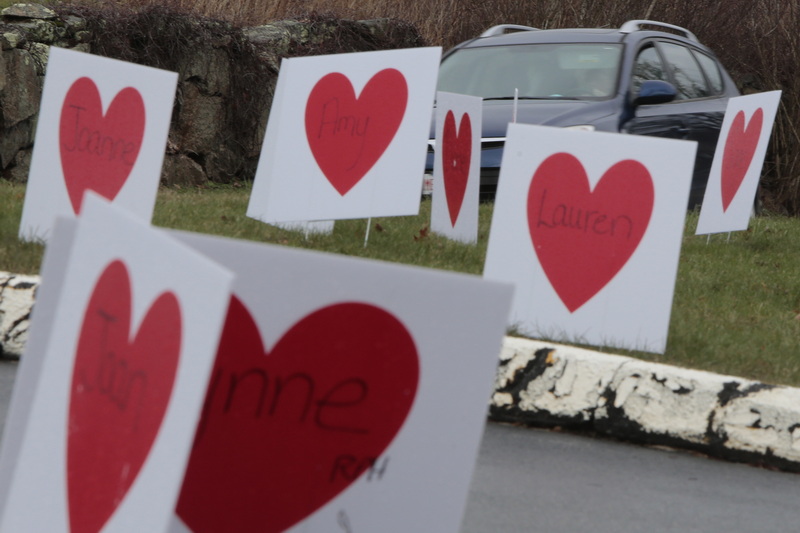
(631, 31)
(550, 36)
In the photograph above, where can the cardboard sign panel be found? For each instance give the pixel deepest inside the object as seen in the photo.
(347, 136)
(457, 162)
(118, 380)
(52, 275)
(333, 399)
(588, 227)
(738, 160)
(103, 128)
(324, 227)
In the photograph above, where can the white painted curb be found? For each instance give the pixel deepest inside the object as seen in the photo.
(17, 294)
(543, 383)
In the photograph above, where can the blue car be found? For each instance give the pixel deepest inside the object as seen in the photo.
(645, 78)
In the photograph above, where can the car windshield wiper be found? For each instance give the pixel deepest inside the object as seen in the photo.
(552, 97)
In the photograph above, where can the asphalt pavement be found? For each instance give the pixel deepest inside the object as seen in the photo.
(539, 481)
(8, 369)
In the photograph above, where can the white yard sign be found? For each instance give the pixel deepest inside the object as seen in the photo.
(457, 165)
(736, 169)
(588, 226)
(347, 136)
(102, 127)
(100, 430)
(333, 403)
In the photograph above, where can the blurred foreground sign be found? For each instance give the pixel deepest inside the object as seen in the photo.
(333, 398)
(113, 378)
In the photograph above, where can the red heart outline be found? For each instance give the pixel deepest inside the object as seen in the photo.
(456, 159)
(98, 152)
(583, 237)
(348, 135)
(339, 383)
(119, 394)
(740, 147)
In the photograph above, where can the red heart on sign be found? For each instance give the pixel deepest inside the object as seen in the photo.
(348, 135)
(456, 158)
(283, 432)
(583, 237)
(98, 151)
(121, 387)
(738, 154)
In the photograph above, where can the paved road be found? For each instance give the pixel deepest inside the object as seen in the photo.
(536, 481)
(8, 370)
(539, 481)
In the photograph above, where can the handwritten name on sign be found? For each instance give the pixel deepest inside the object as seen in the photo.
(740, 147)
(284, 431)
(121, 386)
(351, 467)
(583, 237)
(348, 134)
(98, 151)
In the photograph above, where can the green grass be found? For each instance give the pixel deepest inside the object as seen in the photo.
(15, 256)
(737, 301)
(221, 211)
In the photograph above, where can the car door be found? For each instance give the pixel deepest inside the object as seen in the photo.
(660, 120)
(700, 92)
(697, 112)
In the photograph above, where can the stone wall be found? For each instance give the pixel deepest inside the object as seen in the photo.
(227, 77)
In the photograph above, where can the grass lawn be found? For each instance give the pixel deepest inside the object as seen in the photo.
(737, 300)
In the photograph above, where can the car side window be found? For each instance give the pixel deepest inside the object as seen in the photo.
(711, 68)
(688, 78)
(648, 66)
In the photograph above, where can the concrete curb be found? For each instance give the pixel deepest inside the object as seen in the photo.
(17, 293)
(547, 384)
(542, 383)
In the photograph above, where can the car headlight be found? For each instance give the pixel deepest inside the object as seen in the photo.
(581, 127)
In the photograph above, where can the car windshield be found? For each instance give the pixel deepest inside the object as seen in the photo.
(537, 71)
